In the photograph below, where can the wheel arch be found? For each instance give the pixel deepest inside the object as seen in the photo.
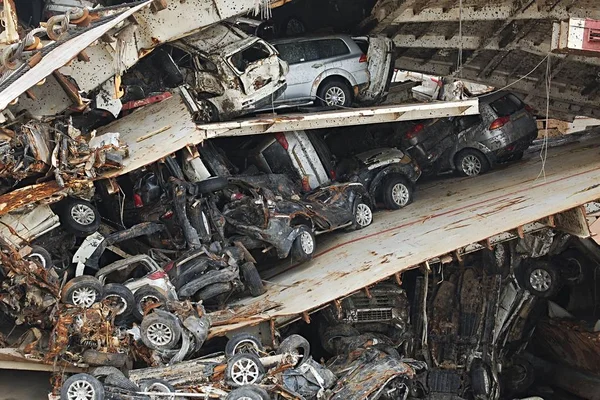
(333, 75)
(375, 186)
(474, 146)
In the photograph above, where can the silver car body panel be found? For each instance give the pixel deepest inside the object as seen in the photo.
(23, 227)
(377, 158)
(381, 65)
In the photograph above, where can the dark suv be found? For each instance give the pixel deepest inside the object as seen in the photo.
(472, 144)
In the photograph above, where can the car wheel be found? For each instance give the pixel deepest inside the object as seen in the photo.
(160, 331)
(208, 112)
(95, 357)
(244, 369)
(210, 185)
(82, 291)
(41, 255)
(471, 162)
(397, 193)
(293, 27)
(304, 245)
(297, 346)
(336, 332)
(542, 279)
(572, 266)
(214, 290)
(252, 279)
(363, 215)
(121, 381)
(145, 295)
(243, 343)
(79, 217)
(248, 392)
(519, 376)
(120, 298)
(158, 386)
(82, 386)
(334, 93)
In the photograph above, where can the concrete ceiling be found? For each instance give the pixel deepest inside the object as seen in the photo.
(502, 41)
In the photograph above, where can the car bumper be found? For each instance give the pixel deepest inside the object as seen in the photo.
(507, 152)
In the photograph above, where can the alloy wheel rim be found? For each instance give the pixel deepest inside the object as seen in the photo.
(81, 390)
(117, 302)
(83, 214)
(84, 297)
(400, 194)
(335, 96)
(364, 216)
(540, 280)
(244, 372)
(158, 387)
(307, 243)
(159, 334)
(245, 346)
(471, 165)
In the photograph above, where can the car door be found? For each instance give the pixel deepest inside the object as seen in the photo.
(305, 66)
(256, 65)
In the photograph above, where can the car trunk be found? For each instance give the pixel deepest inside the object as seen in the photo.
(521, 122)
(379, 51)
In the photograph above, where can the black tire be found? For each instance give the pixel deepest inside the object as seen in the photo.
(213, 290)
(479, 163)
(251, 392)
(82, 381)
(94, 357)
(481, 380)
(542, 279)
(104, 371)
(519, 376)
(572, 266)
(121, 381)
(295, 345)
(160, 331)
(301, 253)
(41, 255)
(252, 279)
(338, 86)
(79, 217)
(208, 112)
(120, 297)
(210, 185)
(335, 332)
(158, 386)
(82, 291)
(145, 294)
(363, 214)
(250, 363)
(397, 192)
(293, 26)
(243, 343)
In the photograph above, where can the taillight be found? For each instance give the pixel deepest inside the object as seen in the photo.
(282, 140)
(499, 123)
(332, 175)
(157, 275)
(168, 215)
(305, 184)
(529, 108)
(363, 58)
(137, 201)
(169, 266)
(414, 131)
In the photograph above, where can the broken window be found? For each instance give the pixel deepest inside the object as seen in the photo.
(468, 122)
(507, 105)
(294, 53)
(132, 271)
(329, 48)
(279, 161)
(256, 52)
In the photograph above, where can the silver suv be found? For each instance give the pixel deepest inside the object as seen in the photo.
(335, 70)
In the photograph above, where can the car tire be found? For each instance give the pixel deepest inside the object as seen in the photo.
(40, 254)
(79, 217)
(362, 213)
(572, 266)
(248, 392)
(144, 294)
(519, 376)
(158, 386)
(471, 162)
(104, 371)
(210, 185)
(304, 245)
(79, 383)
(160, 331)
(244, 369)
(121, 381)
(295, 345)
(211, 291)
(121, 298)
(208, 112)
(252, 279)
(334, 93)
(335, 332)
(243, 343)
(101, 358)
(481, 380)
(293, 26)
(397, 193)
(542, 279)
(82, 291)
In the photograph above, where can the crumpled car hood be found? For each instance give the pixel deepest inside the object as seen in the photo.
(379, 156)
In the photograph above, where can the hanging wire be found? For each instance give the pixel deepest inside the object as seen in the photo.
(544, 149)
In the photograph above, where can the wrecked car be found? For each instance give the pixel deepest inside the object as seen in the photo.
(388, 174)
(472, 145)
(335, 70)
(289, 226)
(230, 72)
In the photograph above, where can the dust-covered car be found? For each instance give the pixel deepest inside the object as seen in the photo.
(267, 220)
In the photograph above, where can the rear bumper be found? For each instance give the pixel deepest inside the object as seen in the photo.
(507, 152)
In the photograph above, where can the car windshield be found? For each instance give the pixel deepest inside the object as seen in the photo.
(256, 52)
(132, 271)
(507, 105)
